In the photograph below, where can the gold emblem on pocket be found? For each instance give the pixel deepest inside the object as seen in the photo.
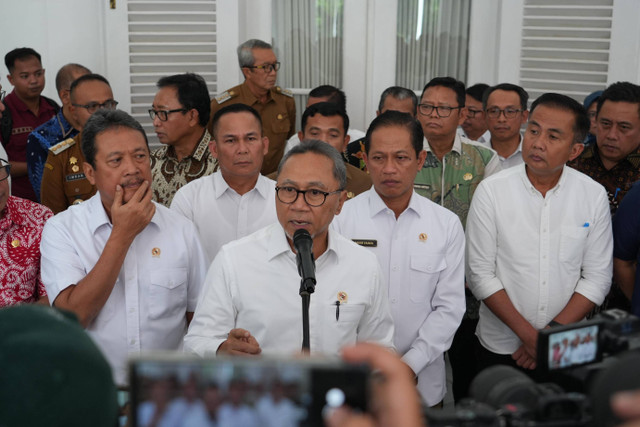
(343, 297)
(155, 252)
(423, 237)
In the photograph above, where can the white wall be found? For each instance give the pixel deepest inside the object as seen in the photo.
(49, 27)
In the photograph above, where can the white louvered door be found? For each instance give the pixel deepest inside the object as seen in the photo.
(565, 46)
(168, 37)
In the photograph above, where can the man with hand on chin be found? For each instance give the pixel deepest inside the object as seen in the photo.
(130, 269)
(251, 303)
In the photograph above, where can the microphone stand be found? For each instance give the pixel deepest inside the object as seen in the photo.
(307, 287)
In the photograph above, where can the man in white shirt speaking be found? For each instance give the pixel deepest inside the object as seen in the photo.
(539, 240)
(236, 200)
(129, 268)
(419, 244)
(250, 301)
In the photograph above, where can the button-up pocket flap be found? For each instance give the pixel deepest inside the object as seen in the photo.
(170, 279)
(428, 263)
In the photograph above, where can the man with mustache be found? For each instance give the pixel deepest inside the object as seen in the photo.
(129, 268)
(539, 239)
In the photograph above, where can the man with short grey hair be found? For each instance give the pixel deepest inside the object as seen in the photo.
(275, 105)
(250, 301)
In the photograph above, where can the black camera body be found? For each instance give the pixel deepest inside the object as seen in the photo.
(585, 357)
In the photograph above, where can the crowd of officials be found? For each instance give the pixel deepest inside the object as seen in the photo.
(460, 222)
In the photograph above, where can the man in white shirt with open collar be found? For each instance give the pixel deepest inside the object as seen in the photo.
(236, 200)
(129, 268)
(539, 240)
(251, 303)
(420, 247)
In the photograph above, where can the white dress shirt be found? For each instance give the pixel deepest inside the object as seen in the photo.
(220, 214)
(422, 256)
(482, 139)
(508, 162)
(254, 284)
(540, 250)
(159, 281)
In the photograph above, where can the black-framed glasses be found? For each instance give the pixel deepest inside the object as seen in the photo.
(312, 197)
(473, 113)
(509, 113)
(5, 170)
(443, 112)
(267, 68)
(163, 115)
(92, 107)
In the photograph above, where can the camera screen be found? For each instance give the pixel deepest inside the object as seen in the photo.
(573, 347)
(231, 392)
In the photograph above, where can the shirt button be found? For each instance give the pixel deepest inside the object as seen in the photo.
(393, 300)
(133, 342)
(131, 310)
(395, 268)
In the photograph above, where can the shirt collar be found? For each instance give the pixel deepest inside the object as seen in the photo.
(525, 179)
(263, 185)
(98, 215)
(377, 205)
(518, 150)
(202, 147)
(65, 126)
(457, 144)
(249, 96)
(279, 244)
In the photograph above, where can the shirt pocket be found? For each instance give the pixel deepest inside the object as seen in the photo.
(425, 272)
(572, 241)
(167, 292)
(281, 125)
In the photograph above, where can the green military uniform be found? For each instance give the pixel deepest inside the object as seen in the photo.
(278, 118)
(63, 180)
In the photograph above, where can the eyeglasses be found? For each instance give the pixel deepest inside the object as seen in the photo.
(312, 197)
(92, 107)
(443, 112)
(473, 113)
(4, 170)
(163, 115)
(266, 67)
(509, 113)
(2, 95)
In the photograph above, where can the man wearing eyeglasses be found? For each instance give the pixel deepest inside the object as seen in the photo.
(505, 106)
(250, 302)
(275, 105)
(26, 110)
(474, 126)
(60, 127)
(63, 181)
(236, 200)
(180, 112)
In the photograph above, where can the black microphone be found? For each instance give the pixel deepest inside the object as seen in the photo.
(303, 244)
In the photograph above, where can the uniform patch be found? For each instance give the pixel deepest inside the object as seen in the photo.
(368, 243)
(285, 92)
(74, 177)
(223, 97)
(61, 146)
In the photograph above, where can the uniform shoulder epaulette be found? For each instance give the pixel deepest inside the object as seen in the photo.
(61, 146)
(285, 92)
(225, 96)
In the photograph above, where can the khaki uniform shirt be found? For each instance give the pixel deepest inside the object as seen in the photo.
(63, 180)
(169, 174)
(278, 118)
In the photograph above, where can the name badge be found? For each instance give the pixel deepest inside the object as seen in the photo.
(74, 177)
(368, 243)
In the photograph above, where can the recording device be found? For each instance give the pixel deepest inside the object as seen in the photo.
(238, 391)
(303, 244)
(583, 364)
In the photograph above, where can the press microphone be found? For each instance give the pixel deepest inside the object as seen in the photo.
(303, 244)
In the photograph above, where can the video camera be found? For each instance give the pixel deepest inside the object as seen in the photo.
(584, 363)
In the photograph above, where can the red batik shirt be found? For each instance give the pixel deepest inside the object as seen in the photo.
(21, 227)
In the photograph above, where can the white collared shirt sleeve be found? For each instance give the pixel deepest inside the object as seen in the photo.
(215, 313)
(493, 166)
(376, 325)
(448, 305)
(482, 245)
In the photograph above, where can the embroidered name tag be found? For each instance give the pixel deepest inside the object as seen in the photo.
(366, 243)
(74, 177)
(421, 186)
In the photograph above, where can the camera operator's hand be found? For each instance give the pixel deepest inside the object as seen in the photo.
(395, 398)
(240, 342)
(626, 405)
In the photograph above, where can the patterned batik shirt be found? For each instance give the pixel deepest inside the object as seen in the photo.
(169, 174)
(21, 227)
(617, 180)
